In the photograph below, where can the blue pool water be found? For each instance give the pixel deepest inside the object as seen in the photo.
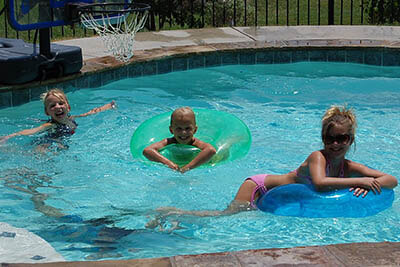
(108, 196)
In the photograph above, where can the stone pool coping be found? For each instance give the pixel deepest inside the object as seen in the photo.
(161, 52)
(353, 254)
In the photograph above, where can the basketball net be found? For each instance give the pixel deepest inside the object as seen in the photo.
(117, 31)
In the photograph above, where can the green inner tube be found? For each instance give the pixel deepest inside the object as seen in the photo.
(226, 132)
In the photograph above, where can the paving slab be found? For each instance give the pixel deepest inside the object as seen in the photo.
(92, 47)
(367, 254)
(279, 33)
(303, 256)
(339, 255)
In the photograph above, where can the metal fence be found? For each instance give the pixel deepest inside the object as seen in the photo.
(183, 14)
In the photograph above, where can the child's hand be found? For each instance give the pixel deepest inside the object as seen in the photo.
(371, 184)
(184, 169)
(173, 166)
(359, 191)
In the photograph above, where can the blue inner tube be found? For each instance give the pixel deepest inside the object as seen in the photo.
(302, 200)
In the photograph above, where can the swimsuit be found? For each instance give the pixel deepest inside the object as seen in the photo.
(259, 180)
(61, 130)
(57, 134)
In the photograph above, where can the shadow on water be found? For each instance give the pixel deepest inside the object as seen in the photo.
(99, 238)
(27, 180)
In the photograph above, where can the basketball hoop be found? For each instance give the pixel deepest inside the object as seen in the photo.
(116, 24)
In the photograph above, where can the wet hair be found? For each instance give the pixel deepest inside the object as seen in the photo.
(180, 112)
(339, 115)
(55, 92)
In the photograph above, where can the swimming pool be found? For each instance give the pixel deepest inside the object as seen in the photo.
(109, 196)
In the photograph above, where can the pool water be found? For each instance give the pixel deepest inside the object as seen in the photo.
(107, 197)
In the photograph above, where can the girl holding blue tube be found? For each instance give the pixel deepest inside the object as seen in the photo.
(326, 169)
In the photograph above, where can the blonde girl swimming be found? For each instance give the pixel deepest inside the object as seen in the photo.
(61, 124)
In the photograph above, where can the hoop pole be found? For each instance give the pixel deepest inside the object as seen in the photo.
(44, 42)
(2, 10)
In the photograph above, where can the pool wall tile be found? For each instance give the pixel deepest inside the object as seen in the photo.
(37, 91)
(94, 80)
(197, 61)
(121, 73)
(108, 76)
(265, 57)
(248, 58)
(300, 55)
(164, 66)
(66, 87)
(355, 56)
(8, 234)
(373, 57)
(318, 55)
(135, 70)
(6, 99)
(213, 59)
(150, 68)
(282, 57)
(179, 64)
(82, 81)
(228, 58)
(336, 55)
(20, 97)
(391, 57)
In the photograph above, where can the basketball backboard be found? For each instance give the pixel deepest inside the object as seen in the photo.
(38, 14)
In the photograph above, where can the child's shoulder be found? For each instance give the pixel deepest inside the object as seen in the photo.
(197, 142)
(316, 155)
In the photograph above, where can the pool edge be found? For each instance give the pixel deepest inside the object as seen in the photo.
(351, 254)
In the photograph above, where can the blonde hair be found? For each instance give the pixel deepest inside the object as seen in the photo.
(182, 112)
(55, 92)
(339, 115)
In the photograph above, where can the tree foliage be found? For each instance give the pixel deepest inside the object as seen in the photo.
(197, 13)
(383, 11)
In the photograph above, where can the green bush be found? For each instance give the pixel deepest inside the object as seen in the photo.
(383, 11)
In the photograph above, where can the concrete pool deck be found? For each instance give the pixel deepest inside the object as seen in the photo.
(155, 45)
(150, 45)
(251, 37)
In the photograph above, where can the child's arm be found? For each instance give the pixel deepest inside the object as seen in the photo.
(360, 170)
(206, 153)
(108, 106)
(152, 153)
(317, 164)
(32, 131)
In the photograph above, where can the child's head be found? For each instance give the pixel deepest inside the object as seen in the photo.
(183, 125)
(338, 126)
(55, 103)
